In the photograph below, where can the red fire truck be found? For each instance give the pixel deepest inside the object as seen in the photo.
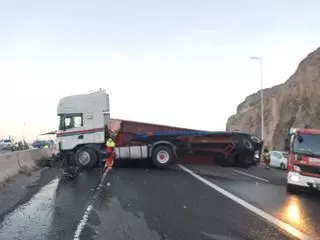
(303, 146)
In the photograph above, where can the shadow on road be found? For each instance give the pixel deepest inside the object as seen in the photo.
(306, 193)
(142, 164)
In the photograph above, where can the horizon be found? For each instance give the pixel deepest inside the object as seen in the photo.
(173, 63)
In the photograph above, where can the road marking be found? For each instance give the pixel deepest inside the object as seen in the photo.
(83, 222)
(87, 212)
(250, 175)
(220, 237)
(276, 222)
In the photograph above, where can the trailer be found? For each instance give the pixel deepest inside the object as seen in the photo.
(224, 148)
(85, 124)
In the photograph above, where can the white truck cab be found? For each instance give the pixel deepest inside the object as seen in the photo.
(84, 121)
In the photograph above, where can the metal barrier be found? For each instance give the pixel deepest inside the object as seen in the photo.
(13, 162)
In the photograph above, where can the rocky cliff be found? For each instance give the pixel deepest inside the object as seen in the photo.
(291, 104)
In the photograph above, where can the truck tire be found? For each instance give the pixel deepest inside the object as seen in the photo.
(225, 160)
(219, 159)
(86, 157)
(244, 161)
(162, 156)
(247, 144)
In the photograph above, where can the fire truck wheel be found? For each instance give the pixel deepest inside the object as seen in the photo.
(86, 157)
(162, 156)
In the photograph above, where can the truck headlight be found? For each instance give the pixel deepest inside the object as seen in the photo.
(294, 178)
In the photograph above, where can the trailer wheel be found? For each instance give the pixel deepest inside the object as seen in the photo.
(225, 160)
(244, 161)
(86, 157)
(162, 156)
(247, 144)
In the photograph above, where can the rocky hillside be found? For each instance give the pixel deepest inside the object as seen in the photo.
(293, 103)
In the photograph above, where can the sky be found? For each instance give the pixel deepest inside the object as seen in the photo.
(184, 63)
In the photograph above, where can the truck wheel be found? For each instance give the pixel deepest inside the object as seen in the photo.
(86, 157)
(162, 157)
(225, 160)
(245, 162)
(219, 159)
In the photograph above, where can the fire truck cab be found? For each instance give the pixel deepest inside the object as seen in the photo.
(303, 147)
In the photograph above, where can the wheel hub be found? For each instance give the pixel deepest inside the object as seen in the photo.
(163, 156)
(84, 158)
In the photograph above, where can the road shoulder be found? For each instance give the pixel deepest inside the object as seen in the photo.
(19, 189)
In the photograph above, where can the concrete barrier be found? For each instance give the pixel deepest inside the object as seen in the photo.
(13, 163)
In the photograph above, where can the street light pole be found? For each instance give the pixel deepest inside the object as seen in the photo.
(261, 96)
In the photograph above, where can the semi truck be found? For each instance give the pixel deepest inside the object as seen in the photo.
(85, 124)
(303, 159)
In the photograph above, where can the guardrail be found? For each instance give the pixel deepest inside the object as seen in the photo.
(12, 163)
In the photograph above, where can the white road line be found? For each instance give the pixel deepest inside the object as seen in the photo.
(220, 237)
(87, 212)
(250, 175)
(83, 222)
(276, 222)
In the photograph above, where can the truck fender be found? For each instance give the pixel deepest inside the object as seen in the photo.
(97, 147)
(167, 143)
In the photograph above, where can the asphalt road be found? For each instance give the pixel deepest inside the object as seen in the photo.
(144, 203)
(266, 190)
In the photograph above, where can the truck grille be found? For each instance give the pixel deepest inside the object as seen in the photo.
(309, 169)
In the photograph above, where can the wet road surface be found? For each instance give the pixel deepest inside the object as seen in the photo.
(266, 189)
(142, 203)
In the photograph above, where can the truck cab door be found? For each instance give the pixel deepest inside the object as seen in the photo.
(71, 131)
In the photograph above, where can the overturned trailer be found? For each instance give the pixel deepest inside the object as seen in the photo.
(136, 140)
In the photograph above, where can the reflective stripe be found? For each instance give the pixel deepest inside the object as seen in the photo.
(110, 143)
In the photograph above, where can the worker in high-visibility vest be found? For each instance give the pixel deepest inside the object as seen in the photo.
(110, 146)
(266, 157)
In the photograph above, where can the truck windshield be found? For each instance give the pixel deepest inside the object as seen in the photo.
(309, 144)
(70, 121)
